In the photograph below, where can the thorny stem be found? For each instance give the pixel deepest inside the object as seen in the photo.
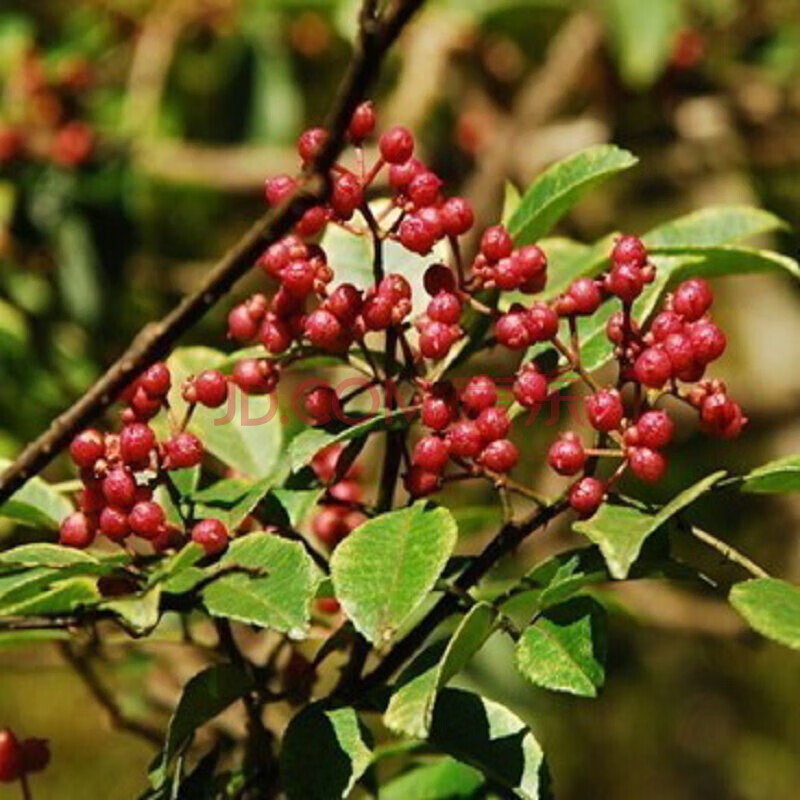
(574, 360)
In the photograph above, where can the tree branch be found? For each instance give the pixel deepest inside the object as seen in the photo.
(156, 340)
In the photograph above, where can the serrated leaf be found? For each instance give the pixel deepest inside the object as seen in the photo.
(776, 477)
(204, 696)
(386, 567)
(561, 186)
(60, 598)
(78, 269)
(46, 555)
(231, 499)
(325, 751)
(446, 779)
(290, 506)
(411, 706)
(36, 503)
(712, 227)
(565, 648)
(140, 613)
(511, 200)
(620, 531)
(279, 600)
(14, 334)
(771, 607)
(491, 738)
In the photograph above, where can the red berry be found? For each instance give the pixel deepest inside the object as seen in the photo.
(566, 455)
(530, 387)
(692, 299)
(479, 393)
(431, 453)
(279, 188)
(136, 442)
(586, 296)
(87, 447)
(241, 325)
(424, 188)
(255, 376)
(346, 195)
(626, 281)
(436, 339)
(417, 235)
(156, 380)
(507, 274)
(499, 456)
(493, 423)
(664, 324)
(420, 483)
(77, 530)
(298, 278)
(11, 758)
(629, 250)
(457, 216)
(312, 222)
(708, 341)
(114, 523)
(182, 451)
(445, 307)
(512, 330)
(311, 143)
(35, 754)
(396, 145)
(465, 440)
(532, 266)
(654, 429)
(648, 465)
(170, 537)
(437, 412)
(586, 495)
(73, 144)
(344, 302)
(362, 123)
(542, 322)
(605, 410)
(653, 368)
(395, 287)
(211, 388)
(275, 334)
(211, 535)
(146, 519)
(323, 330)
(119, 487)
(400, 175)
(496, 243)
(615, 328)
(346, 491)
(321, 403)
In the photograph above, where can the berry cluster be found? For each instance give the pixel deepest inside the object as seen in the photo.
(19, 758)
(120, 471)
(43, 122)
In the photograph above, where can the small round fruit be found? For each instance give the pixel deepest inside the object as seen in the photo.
(629, 250)
(11, 760)
(479, 393)
(655, 429)
(77, 530)
(420, 483)
(146, 519)
(87, 447)
(136, 442)
(396, 145)
(35, 754)
(211, 535)
(530, 387)
(653, 368)
(692, 299)
(566, 455)
(465, 439)
(119, 488)
(211, 388)
(605, 410)
(499, 456)
(114, 523)
(182, 451)
(493, 423)
(431, 453)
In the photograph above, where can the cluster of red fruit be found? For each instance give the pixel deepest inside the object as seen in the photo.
(120, 471)
(21, 758)
(43, 121)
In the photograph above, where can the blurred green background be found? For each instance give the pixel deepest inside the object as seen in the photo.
(178, 110)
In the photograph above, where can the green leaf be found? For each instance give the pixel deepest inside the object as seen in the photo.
(776, 477)
(231, 499)
(46, 555)
(712, 227)
(36, 503)
(565, 649)
(620, 531)
(446, 779)
(61, 598)
(78, 269)
(561, 186)
(386, 567)
(205, 696)
(491, 738)
(325, 751)
(410, 708)
(309, 442)
(771, 607)
(280, 600)
(733, 260)
(140, 613)
(642, 35)
(564, 575)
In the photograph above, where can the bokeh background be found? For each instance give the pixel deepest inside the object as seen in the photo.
(176, 110)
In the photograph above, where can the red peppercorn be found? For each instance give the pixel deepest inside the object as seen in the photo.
(626, 281)
(708, 341)
(586, 495)
(298, 278)
(77, 530)
(512, 330)
(119, 487)
(330, 525)
(629, 250)
(530, 387)
(479, 393)
(445, 307)
(648, 465)
(144, 405)
(35, 754)
(542, 322)
(87, 447)
(424, 188)
(439, 278)
(156, 379)
(312, 222)
(311, 143)
(396, 145)
(321, 403)
(605, 410)
(566, 455)
(91, 499)
(692, 299)
(377, 312)
(400, 175)
(680, 352)
(362, 123)
(11, 759)
(436, 339)
(136, 442)
(211, 535)
(346, 195)
(416, 234)
(344, 302)
(653, 368)
(241, 325)
(437, 412)
(664, 324)
(146, 519)
(255, 376)
(654, 429)
(323, 330)
(431, 453)
(211, 388)
(275, 334)
(499, 456)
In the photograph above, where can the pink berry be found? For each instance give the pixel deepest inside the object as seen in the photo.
(692, 299)
(424, 188)
(344, 302)
(566, 455)
(708, 341)
(530, 387)
(377, 312)
(146, 519)
(298, 278)
(605, 410)
(417, 235)
(400, 175)
(493, 423)
(664, 324)
(499, 456)
(445, 307)
(629, 250)
(721, 416)
(362, 123)
(653, 368)
(87, 447)
(211, 535)
(420, 483)
(436, 339)
(136, 442)
(542, 322)
(396, 145)
(182, 451)
(320, 404)
(312, 222)
(330, 525)
(431, 453)
(465, 439)
(91, 499)
(119, 487)
(311, 143)
(211, 388)
(648, 465)
(241, 325)
(275, 334)
(437, 411)
(586, 495)
(496, 243)
(156, 379)
(479, 393)
(586, 296)
(654, 429)
(114, 523)
(346, 196)
(255, 376)
(77, 530)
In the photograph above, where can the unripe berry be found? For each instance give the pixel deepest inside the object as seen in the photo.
(275, 334)
(114, 523)
(362, 123)
(420, 483)
(211, 388)
(182, 451)
(344, 302)
(457, 216)
(586, 495)
(654, 429)
(35, 754)
(424, 188)
(146, 519)
(278, 188)
(311, 143)
(156, 379)
(87, 447)
(136, 442)
(493, 423)
(629, 250)
(479, 393)
(648, 465)
(346, 195)
(680, 352)
(417, 235)
(542, 322)
(626, 281)
(653, 368)
(377, 312)
(496, 243)
(431, 453)
(241, 325)
(666, 323)
(323, 330)
(708, 341)
(499, 456)
(91, 499)
(119, 488)
(586, 296)
(437, 412)
(312, 222)
(692, 299)
(11, 763)
(330, 525)
(566, 455)
(512, 330)
(532, 266)
(445, 307)
(396, 145)
(255, 376)
(77, 530)
(530, 387)
(465, 440)
(436, 339)
(211, 535)
(298, 278)
(320, 404)
(605, 410)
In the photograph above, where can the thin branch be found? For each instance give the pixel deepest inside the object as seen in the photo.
(727, 552)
